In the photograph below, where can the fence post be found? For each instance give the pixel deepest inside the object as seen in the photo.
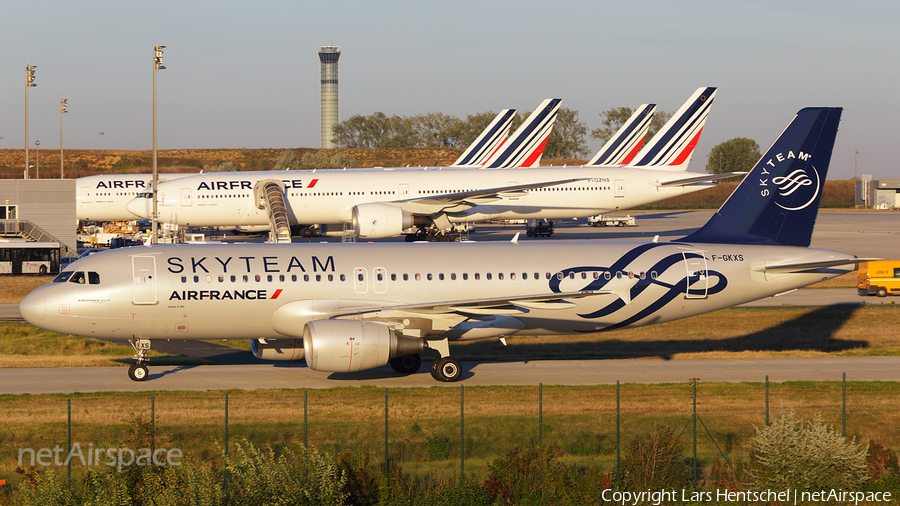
(695, 431)
(618, 435)
(305, 421)
(386, 432)
(844, 406)
(227, 462)
(462, 435)
(540, 414)
(153, 422)
(69, 444)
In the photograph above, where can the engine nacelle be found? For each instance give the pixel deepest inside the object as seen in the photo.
(277, 349)
(375, 221)
(352, 345)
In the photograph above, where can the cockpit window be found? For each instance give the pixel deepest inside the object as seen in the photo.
(77, 277)
(94, 278)
(63, 277)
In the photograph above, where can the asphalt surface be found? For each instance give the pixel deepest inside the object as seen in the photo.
(864, 234)
(550, 372)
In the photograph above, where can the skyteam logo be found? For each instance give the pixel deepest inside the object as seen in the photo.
(793, 187)
(798, 181)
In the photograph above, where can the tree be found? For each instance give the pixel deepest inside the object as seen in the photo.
(463, 133)
(614, 118)
(567, 138)
(735, 155)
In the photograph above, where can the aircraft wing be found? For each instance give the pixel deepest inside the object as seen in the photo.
(698, 179)
(435, 203)
(803, 266)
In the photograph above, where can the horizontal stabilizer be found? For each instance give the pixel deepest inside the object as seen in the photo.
(706, 177)
(805, 266)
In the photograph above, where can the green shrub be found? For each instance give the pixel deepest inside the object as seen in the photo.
(655, 460)
(260, 476)
(791, 453)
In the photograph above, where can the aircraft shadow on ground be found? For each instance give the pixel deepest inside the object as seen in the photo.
(814, 331)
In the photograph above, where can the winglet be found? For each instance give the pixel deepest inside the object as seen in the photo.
(515, 239)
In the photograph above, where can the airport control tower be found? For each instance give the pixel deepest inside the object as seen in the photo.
(329, 93)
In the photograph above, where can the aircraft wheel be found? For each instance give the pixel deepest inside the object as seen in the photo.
(446, 369)
(138, 372)
(406, 365)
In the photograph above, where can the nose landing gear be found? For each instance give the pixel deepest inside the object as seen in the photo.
(138, 371)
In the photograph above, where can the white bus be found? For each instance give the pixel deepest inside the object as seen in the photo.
(18, 256)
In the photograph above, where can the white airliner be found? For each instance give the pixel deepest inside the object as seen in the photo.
(385, 202)
(104, 197)
(351, 307)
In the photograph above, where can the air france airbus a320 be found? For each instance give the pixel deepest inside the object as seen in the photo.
(350, 307)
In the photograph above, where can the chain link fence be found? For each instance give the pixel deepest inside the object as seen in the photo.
(446, 433)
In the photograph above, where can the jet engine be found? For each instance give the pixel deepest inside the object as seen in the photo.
(375, 221)
(351, 345)
(277, 349)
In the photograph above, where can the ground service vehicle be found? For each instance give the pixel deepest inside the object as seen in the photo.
(878, 278)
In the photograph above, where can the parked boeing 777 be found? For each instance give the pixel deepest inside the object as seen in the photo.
(350, 307)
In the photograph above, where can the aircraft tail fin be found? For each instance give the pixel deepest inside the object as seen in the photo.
(526, 145)
(777, 202)
(488, 141)
(626, 143)
(672, 146)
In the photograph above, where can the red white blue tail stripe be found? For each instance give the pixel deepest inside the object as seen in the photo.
(672, 146)
(622, 147)
(525, 147)
(488, 141)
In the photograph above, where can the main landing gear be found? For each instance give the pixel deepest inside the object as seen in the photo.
(445, 368)
(138, 371)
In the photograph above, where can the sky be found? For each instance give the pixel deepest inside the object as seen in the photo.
(246, 75)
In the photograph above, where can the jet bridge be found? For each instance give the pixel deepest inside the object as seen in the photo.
(269, 195)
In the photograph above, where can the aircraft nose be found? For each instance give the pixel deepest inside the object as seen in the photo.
(140, 207)
(34, 308)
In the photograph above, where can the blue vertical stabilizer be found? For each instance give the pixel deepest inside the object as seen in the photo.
(779, 199)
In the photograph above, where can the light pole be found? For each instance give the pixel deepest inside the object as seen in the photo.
(29, 83)
(101, 134)
(37, 158)
(855, 155)
(63, 108)
(157, 64)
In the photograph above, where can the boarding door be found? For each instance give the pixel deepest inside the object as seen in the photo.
(185, 197)
(403, 190)
(85, 194)
(697, 276)
(619, 188)
(144, 273)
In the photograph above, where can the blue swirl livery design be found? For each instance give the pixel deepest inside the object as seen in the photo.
(345, 308)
